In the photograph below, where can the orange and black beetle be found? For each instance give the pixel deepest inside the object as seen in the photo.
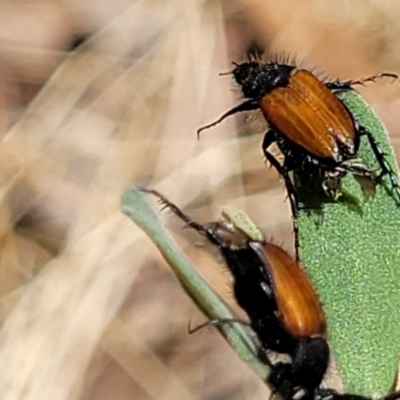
(310, 125)
(282, 305)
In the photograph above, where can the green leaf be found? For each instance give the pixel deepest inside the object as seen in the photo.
(135, 206)
(352, 253)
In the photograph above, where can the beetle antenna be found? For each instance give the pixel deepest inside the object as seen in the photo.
(225, 73)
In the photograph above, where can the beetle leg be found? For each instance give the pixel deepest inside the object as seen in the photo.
(269, 138)
(363, 174)
(248, 105)
(216, 322)
(176, 210)
(348, 84)
(280, 380)
(383, 163)
(219, 322)
(330, 394)
(356, 166)
(392, 396)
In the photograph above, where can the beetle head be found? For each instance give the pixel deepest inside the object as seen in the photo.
(257, 79)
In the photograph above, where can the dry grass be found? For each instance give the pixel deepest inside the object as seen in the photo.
(88, 308)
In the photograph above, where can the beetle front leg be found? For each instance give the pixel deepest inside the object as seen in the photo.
(270, 138)
(248, 105)
(165, 203)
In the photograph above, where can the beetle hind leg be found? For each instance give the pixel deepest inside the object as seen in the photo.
(337, 85)
(386, 168)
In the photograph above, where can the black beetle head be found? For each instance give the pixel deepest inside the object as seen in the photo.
(257, 79)
(224, 234)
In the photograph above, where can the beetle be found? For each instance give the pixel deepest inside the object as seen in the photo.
(282, 306)
(311, 126)
(281, 303)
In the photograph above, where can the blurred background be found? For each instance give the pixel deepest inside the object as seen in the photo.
(99, 95)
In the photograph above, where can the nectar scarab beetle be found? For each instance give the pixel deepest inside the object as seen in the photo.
(276, 294)
(281, 303)
(310, 125)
